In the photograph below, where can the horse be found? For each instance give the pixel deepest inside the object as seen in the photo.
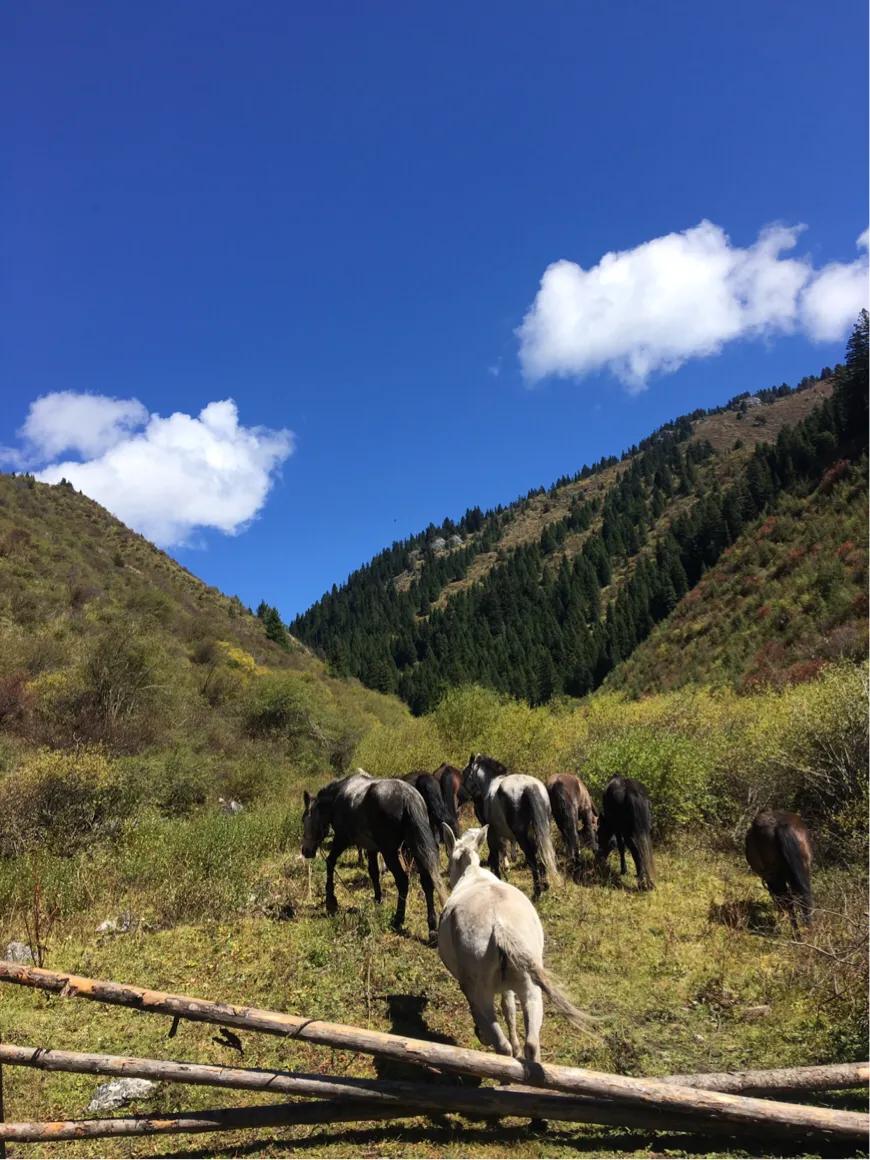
(572, 806)
(491, 940)
(515, 807)
(778, 850)
(380, 815)
(453, 792)
(626, 819)
(430, 791)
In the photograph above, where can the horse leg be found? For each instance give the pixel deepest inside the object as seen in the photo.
(532, 1003)
(429, 892)
(339, 845)
(375, 874)
(539, 874)
(494, 859)
(638, 863)
(620, 843)
(509, 1010)
(394, 865)
(488, 1029)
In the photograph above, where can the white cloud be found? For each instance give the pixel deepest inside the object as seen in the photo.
(678, 297)
(835, 295)
(165, 477)
(85, 424)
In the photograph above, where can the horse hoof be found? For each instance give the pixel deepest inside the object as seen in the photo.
(331, 907)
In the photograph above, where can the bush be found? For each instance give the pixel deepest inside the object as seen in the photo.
(181, 785)
(59, 802)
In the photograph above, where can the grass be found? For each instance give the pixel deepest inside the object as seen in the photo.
(672, 983)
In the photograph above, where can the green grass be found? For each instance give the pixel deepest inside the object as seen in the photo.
(669, 980)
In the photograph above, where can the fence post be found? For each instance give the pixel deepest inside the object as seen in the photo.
(2, 1141)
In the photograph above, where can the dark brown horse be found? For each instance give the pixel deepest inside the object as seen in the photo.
(573, 810)
(778, 850)
(452, 791)
(426, 784)
(626, 820)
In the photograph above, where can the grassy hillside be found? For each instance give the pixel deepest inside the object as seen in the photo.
(553, 593)
(107, 642)
(788, 597)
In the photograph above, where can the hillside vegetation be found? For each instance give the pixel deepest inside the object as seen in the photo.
(108, 645)
(553, 593)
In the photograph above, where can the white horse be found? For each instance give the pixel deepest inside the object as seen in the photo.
(516, 808)
(491, 940)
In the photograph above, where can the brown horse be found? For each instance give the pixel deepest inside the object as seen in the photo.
(778, 850)
(573, 809)
(452, 791)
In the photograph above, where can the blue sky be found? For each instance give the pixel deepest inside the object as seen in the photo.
(338, 215)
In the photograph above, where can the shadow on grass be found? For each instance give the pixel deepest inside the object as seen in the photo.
(745, 914)
(405, 1013)
(499, 1138)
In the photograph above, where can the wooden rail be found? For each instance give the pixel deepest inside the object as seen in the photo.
(422, 1098)
(719, 1111)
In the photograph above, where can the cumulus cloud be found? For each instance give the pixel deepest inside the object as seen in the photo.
(682, 296)
(834, 296)
(84, 424)
(165, 477)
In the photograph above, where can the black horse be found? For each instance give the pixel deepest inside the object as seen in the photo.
(380, 816)
(430, 791)
(778, 850)
(626, 820)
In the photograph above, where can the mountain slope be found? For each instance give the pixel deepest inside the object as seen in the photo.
(104, 638)
(552, 593)
(787, 597)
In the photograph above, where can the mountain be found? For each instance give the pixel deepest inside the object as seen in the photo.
(105, 639)
(553, 593)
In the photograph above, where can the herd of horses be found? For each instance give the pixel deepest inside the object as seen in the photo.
(489, 935)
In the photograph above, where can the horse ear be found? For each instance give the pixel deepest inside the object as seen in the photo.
(306, 797)
(481, 837)
(449, 838)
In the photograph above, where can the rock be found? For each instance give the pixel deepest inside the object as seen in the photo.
(123, 924)
(117, 1093)
(231, 807)
(18, 952)
(757, 1012)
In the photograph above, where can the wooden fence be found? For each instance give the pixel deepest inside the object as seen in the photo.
(706, 1104)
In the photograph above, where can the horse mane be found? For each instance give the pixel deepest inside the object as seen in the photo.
(495, 766)
(327, 795)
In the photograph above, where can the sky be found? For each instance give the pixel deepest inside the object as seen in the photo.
(282, 283)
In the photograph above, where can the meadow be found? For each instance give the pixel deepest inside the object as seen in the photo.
(700, 974)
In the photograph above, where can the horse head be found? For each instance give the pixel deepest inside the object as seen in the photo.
(316, 821)
(463, 852)
(479, 773)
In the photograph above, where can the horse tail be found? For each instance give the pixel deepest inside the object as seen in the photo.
(539, 828)
(642, 819)
(797, 868)
(520, 958)
(430, 792)
(419, 840)
(563, 814)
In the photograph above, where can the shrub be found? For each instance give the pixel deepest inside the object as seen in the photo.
(181, 785)
(59, 802)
